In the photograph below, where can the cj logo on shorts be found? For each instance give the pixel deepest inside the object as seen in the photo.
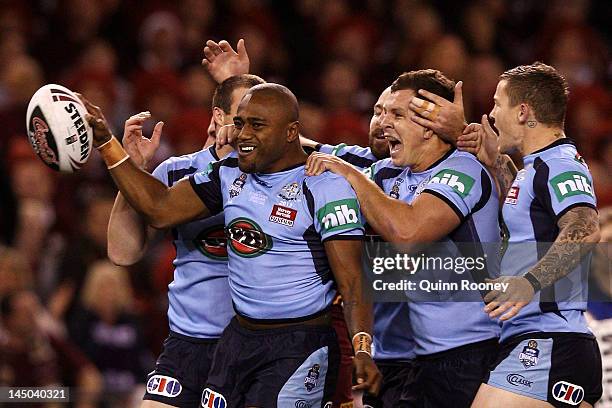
(212, 399)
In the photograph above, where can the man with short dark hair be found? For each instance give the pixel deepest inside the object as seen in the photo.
(199, 299)
(292, 238)
(432, 192)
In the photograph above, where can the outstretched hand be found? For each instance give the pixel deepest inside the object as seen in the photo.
(443, 117)
(140, 148)
(223, 62)
(97, 121)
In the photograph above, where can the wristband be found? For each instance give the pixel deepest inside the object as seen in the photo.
(362, 343)
(113, 153)
(533, 281)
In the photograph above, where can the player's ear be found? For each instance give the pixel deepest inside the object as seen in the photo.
(428, 134)
(219, 116)
(293, 131)
(523, 113)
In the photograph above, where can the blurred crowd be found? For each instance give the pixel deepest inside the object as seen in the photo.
(71, 317)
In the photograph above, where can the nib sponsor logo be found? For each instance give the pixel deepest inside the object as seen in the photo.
(340, 215)
(571, 183)
(460, 182)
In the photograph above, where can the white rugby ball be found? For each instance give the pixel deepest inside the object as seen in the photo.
(57, 128)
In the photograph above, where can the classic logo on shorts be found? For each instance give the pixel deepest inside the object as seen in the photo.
(513, 193)
(212, 242)
(237, 185)
(458, 181)
(212, 399)
(529, 356)
(340, 215)
(571, 183)
(283, 215)
(302, 404)
(165, 386)
(247, 239)
(312, 378)
(567, 392)
(518, 380)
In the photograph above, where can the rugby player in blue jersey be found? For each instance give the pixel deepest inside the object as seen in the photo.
(199, 301)
(437, 194)
(548, 355)
(292, 240)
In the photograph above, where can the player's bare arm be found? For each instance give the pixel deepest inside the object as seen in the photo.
(481, 140)
(445, 118)
(377, 207)
(345, 260)
(128, 234)
(162, 207)
(578, 234)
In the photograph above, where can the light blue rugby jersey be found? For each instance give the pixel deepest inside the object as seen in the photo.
(276, 224)
(463, 183)
(392, 337)
(554, 180)
(358, 156)
(199, 296)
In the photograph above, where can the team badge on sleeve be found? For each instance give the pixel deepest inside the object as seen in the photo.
(340, 215)
(458, 181)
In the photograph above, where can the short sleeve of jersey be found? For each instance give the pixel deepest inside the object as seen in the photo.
(207, 185)
(566, 183)
(161, 172)
(459, 182)
(336, 210)
(325, 148)
(358, 156)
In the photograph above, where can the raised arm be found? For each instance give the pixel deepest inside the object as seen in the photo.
(345, 260)
(128, 234)
(162, 206)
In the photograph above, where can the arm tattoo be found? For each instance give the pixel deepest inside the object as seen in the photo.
(578, 234)
(504, 171)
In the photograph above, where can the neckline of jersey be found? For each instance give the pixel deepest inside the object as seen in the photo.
(213, 152)
(287, 169)
(559, 142)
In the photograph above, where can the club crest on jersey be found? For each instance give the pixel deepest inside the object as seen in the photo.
(312, 378)
(283, 215)
(212, 399)
(394, 193)
(458, 181)
(290, 192)
(212, 243)
(162, 385)
(247, 239)
(340, 215)
(571, 183)
(568, 393)
(512, 197)
(529, 356)
(237, 185)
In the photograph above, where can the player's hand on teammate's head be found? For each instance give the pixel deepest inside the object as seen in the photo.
(96, 119)
(367, 375)
(226, 135)
(318, 163)
(223, 62)
(506, 304)
(140, 148)
(445, 118)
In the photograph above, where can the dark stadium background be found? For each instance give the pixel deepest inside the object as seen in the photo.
(98, 327)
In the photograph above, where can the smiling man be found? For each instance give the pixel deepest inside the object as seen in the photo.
(453, 201)
(292, 239)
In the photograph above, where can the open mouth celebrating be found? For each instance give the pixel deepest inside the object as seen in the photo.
(395, 144)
